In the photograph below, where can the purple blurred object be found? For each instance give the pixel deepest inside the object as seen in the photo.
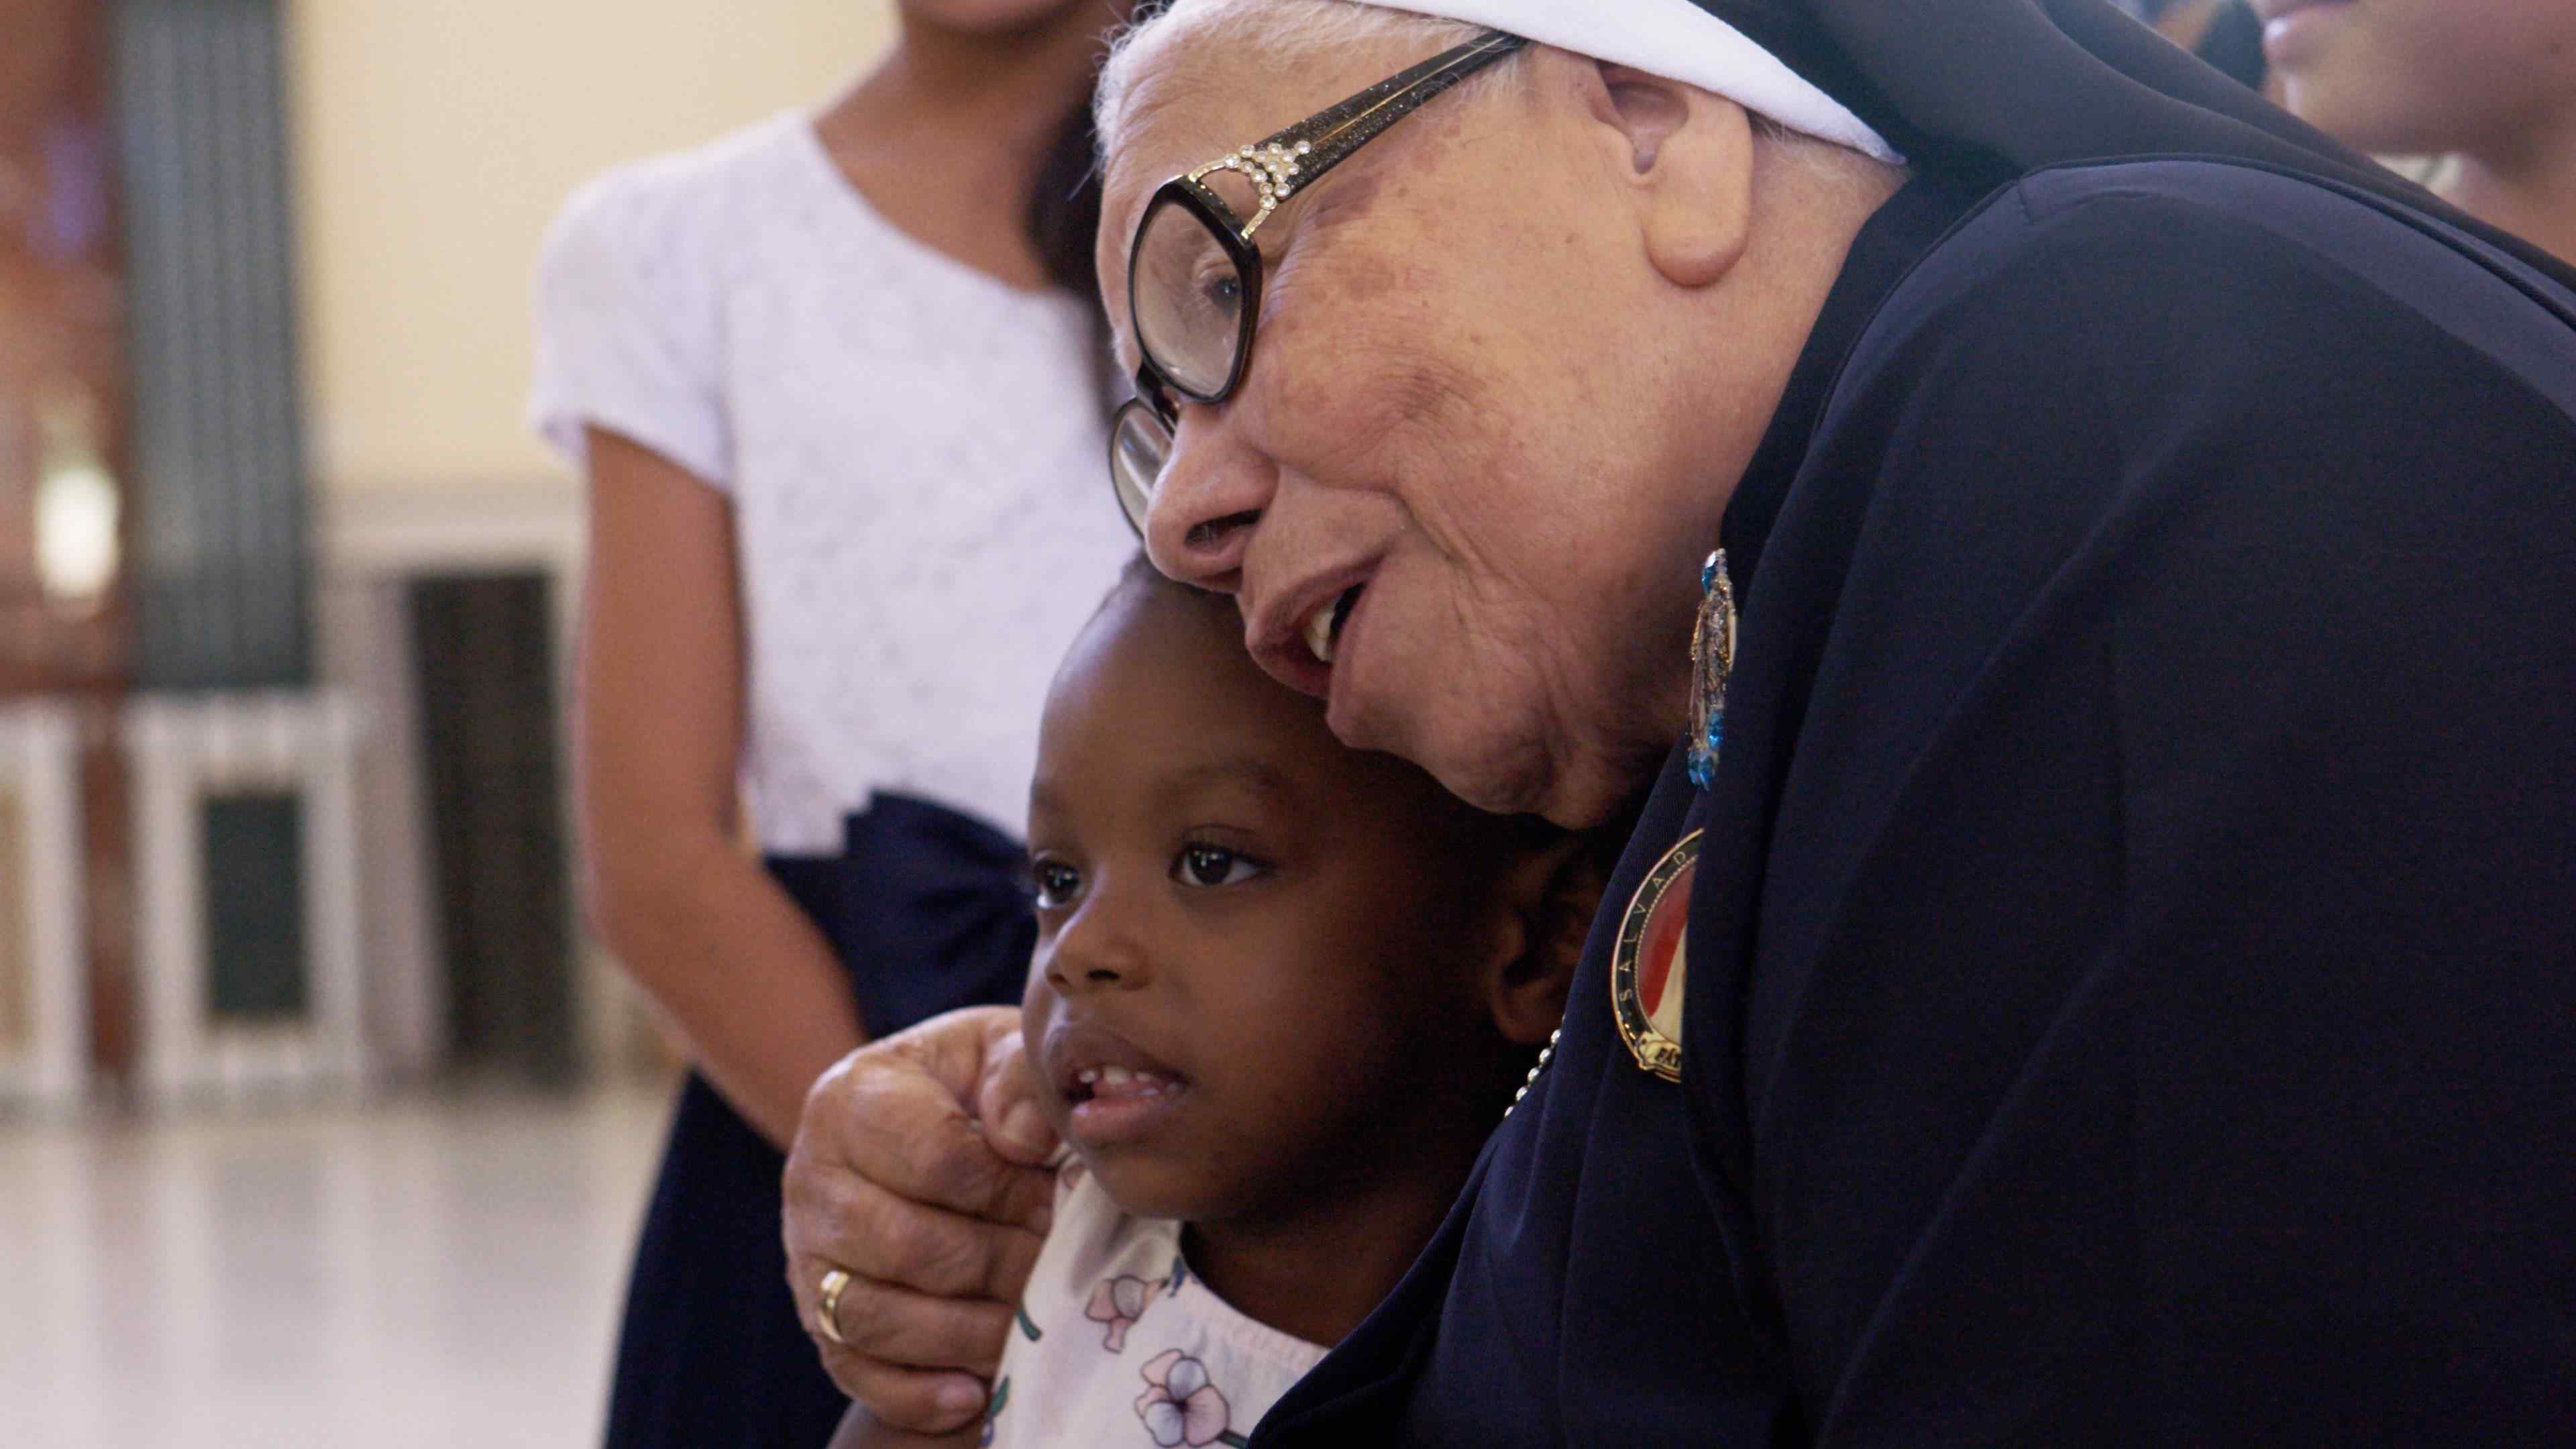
(73, 216)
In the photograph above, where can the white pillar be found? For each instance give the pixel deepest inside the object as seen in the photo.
(40, 769)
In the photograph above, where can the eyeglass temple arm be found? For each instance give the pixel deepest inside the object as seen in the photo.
(1334, 133)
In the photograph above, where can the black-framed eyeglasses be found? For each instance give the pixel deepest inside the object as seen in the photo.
(1194, 276)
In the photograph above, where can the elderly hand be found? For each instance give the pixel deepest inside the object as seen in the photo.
(918, 1170)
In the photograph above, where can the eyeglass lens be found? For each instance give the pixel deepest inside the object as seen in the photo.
(1189, 298)
(1138, 444)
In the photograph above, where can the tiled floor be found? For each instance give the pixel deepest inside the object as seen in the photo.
(418, 1274)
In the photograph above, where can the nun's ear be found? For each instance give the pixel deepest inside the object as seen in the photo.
(1689, 167)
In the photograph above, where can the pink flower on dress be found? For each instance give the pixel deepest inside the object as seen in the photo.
(1117, 1302)
(1179, 1405)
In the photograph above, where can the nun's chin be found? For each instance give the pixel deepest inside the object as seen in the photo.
(1588, 792)
(1504, 771)
(1508, 730)
(1471, 748)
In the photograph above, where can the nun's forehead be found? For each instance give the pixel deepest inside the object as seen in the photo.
(1199, 92)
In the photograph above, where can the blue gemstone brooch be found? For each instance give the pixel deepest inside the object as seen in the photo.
(1712, 659)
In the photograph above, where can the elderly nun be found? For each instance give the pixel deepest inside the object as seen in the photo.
(2074, 576)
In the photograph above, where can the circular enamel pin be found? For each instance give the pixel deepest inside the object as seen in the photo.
(1650, 959)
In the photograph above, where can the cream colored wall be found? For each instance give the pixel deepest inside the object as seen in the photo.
(433, 141)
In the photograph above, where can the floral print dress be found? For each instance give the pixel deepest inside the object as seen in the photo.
(1119, 1344)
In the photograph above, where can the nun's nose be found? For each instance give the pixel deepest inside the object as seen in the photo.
(1207, 503)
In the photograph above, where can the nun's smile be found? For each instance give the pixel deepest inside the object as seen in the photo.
(1465, 481)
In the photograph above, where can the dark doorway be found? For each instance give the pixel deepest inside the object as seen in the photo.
(484, 651)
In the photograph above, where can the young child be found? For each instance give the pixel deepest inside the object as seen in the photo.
(1282, 992)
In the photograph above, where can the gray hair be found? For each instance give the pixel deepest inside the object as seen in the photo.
(1277, 27)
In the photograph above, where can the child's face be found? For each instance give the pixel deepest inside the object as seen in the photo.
(1254, 970)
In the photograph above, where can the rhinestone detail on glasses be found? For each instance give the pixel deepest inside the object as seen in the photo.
(1270, 169)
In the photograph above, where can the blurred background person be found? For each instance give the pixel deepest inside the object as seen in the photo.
(2488, 84)
(836, 385)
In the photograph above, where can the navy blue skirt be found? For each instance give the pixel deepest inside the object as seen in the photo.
(926, 910)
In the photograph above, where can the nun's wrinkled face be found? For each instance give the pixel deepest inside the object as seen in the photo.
(1464, 489)
(2487, 77)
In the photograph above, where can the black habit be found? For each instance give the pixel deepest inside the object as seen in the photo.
(2132, 964)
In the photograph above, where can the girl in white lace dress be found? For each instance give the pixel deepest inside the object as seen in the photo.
(833, 382)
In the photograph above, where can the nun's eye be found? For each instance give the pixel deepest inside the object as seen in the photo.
(1056, 881)
(1213, 865)
(1223, 293)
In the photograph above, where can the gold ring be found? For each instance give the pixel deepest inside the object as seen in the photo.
(827, 1310)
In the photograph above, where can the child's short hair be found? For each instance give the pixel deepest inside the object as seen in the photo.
(1140, 575)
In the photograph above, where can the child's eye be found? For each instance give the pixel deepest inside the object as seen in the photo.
(1056, 882)
(1213, 865)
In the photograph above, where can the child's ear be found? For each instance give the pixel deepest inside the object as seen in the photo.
(1554, 892)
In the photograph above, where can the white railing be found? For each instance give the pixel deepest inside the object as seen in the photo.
(44, 1060)
(183, 749)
